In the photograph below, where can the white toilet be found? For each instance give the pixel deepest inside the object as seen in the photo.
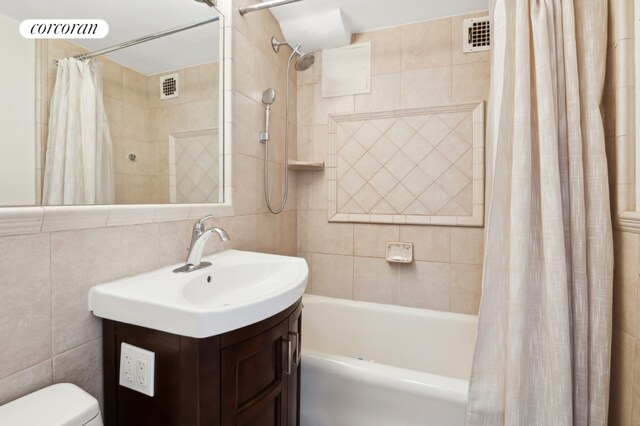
(63, 404)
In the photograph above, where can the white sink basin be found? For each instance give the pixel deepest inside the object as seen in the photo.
(239, 289)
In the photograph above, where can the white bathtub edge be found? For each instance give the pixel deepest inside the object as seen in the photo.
(396, 378)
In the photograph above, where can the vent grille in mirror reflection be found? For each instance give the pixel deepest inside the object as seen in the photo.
(169, 86)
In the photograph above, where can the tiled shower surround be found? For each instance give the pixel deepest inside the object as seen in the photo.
(416, 69)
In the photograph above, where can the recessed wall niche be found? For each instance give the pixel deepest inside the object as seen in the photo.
(413, 166)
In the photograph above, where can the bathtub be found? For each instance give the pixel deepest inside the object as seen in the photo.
(367, 364)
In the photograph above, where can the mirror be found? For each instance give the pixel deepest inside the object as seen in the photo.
(161, 137)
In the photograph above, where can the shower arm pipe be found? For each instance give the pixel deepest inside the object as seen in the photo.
(266, 5)
(140, 40)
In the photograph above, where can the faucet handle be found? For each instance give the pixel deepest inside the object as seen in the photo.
(199, 225)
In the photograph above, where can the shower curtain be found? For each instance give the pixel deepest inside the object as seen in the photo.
(543, 350)
(79, 159)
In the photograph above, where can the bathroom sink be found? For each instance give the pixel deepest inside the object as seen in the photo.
(239, 289)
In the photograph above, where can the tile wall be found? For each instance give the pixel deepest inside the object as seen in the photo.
(624, 402)
(413, 66)
(44, 277)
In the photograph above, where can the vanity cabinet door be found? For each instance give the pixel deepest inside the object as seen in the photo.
(293, 382)
(254, 385)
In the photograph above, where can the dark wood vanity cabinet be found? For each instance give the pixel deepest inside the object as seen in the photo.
(246, 377)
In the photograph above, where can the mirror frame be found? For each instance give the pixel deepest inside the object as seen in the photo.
(31, 220)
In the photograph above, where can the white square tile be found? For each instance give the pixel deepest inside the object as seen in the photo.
(399, 133)
(400, 165)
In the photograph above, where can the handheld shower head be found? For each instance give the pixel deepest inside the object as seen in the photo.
(269, 97)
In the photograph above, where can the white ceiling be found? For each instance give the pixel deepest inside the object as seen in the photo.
(130, 19)
(367, 15)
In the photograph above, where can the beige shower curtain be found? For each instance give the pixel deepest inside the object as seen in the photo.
(79, 160)
(543, 350)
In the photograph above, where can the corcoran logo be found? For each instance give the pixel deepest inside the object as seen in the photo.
(64, 28)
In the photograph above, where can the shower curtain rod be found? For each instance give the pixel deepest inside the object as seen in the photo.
(144, 39)
(266, 5)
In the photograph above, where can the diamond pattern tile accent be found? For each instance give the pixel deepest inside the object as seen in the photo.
(383, 124)
(465, 164)
(417, 182)
(407, 163)
(400, 133)
(367, 198)
(434, 165)
(352, 207)
(383, 150)
(453, 119)
(453, 209)
(415, 208)
(399, 198)
(196, 169)
(453, 181)
(434, 198)
(367, 135)
(367, 166)
(351, 127)
(343, 197)
(383, 182)
(351, 182)
(465, 199)
(417, 148)
(453, 146)
(400, 165)
(417, 122)
(351, 151)
(383, 208)
(435, 130)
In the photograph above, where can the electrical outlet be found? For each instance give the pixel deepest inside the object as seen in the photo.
(128, 367)
(142, 372)
(137, 369)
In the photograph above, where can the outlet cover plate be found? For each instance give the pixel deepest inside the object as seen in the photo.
(137, 369)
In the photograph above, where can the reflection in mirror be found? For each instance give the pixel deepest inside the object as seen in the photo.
(139, 125)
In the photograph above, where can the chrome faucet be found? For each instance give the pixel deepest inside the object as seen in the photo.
(199, 238)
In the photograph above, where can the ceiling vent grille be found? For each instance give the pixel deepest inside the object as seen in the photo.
(476, 34)
(169, 86)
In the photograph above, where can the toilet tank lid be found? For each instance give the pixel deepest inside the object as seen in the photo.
(62, 404)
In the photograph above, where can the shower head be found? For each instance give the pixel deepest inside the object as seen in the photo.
(303, 60)
(269, 96)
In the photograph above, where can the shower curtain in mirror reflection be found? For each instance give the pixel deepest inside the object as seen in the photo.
(544, 336)
(79, 159)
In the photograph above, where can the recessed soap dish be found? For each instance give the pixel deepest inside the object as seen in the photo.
(399, 252)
